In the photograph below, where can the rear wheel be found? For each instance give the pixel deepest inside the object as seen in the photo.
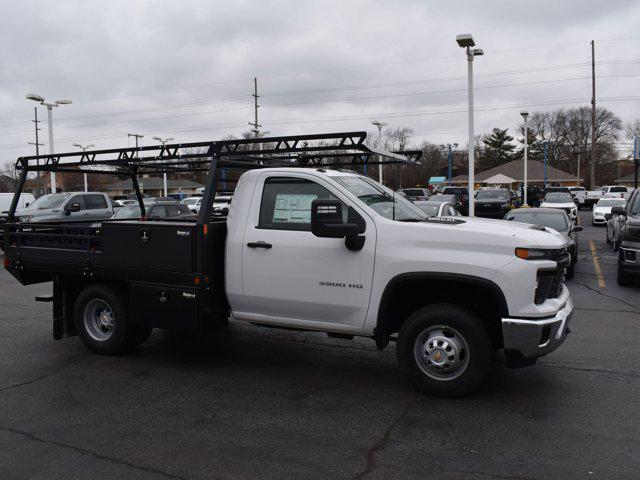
(445, 349)
(101, 321)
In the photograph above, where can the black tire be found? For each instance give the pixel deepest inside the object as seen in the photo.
(571, 270)
(452, 319)
(111, 336)
(623, 279)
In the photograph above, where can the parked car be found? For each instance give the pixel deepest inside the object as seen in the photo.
(221, 205)
(24, 201)
(452, 199)
(462, 193)
(122, 203)
(629, 252)
(603, 207)
(562, 201)
(416, 193)
(492, 202)
(613, 230)
(616, 191)
(68, 206)
(551, 218)
(579, 196)
(436, 208)
(155, 211)
(190, 201)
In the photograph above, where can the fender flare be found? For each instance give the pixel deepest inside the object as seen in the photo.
(381, 336)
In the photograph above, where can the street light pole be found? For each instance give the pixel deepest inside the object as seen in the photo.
(379, 125)
(525, 114)
(466, 41)
(84, 148)
(164, 141)
(49, 105)
(37, 145)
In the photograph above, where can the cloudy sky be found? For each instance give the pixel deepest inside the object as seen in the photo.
(184, 69)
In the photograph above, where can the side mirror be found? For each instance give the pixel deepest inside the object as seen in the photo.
(617, 211)
(577, 229)
(326, 220)
(71, 208)
(26, 205)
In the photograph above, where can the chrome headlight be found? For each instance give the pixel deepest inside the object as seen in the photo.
(25, 218)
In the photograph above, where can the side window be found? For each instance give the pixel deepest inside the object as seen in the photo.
(172, 210)
(95, 202)
(286, 203)
(77, 199)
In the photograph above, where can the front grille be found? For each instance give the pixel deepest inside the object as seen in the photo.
(633, 233)
(550, 281)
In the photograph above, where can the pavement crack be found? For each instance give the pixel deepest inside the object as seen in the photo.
(494, 475)
(84, 451)
(624, 375)
(607, 295)
(382, 443)
(41, 377)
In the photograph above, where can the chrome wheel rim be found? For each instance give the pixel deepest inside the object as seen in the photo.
(441, 353)
(99, 320)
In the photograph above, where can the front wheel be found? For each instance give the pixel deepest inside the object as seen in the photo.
(623, 279)
(445, 349)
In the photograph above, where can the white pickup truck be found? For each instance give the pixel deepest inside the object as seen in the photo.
(315, 249)
(608, 191)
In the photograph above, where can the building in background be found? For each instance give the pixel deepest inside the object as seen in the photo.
(511, 174)
(152, 186)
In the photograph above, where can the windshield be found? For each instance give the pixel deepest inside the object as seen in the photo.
(482, 194)
(414, 192)
(53, 200)
(380, 199)
(558, 198)
(431, 209)
(635, 208)
(455, 191)
(190, 201)
(546, 219)
(130, 211)
(611, 202)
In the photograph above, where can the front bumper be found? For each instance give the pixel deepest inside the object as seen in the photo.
(531, 338)
(629, 260)
(598, 219)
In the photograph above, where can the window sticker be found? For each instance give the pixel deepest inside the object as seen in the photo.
(293, 208)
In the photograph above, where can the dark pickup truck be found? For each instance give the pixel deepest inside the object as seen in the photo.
(629, 252)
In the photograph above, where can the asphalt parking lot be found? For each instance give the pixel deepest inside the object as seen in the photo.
(258, 403)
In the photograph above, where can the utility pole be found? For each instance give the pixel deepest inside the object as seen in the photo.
(164, 141)
(84, 148)
(635, 162)
(593, 115)
(545, 144)
(137, 136)
(50, 105)
(379, 125)
(38, 145)
(525, 115)
(255, 124)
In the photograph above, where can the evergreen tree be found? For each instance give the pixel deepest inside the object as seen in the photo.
(498, 149)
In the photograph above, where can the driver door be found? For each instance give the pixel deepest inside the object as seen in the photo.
(293, 276)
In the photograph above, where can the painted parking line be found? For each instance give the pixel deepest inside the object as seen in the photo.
(596, 264)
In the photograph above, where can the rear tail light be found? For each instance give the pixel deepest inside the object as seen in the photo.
(6, 262)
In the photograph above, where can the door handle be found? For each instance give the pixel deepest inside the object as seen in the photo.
(259, 245)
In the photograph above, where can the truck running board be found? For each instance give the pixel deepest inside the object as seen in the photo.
(44, 298)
